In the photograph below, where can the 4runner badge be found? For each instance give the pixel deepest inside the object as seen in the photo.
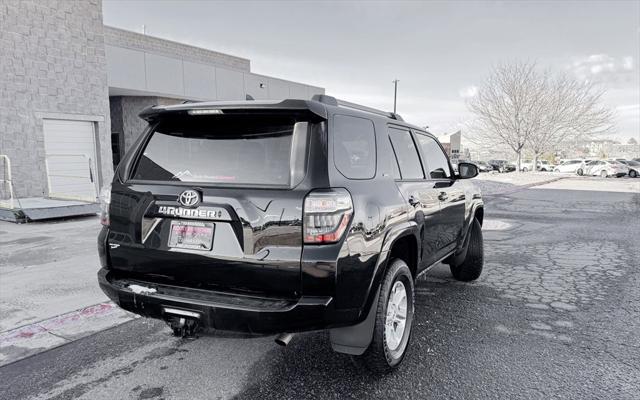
(189, 198)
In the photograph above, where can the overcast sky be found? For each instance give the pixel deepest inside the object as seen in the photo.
(438, 50)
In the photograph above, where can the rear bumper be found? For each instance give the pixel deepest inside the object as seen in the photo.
(224, 311)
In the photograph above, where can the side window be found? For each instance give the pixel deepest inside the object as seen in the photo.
(354, 147)
(434, 158)
(406, 154)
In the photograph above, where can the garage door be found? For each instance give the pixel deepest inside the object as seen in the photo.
(70, 151)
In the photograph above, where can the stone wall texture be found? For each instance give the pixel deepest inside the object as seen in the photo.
(132, 40)
(124, 115)
(52, 61)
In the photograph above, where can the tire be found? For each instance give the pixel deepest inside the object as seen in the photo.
(525, 169)
(381, 357)
(471, 268)
(633, 173)
(556, 170)
(603, 174)
(580, 172)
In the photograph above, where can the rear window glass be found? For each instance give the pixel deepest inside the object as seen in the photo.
(354, 147)
(238, 150)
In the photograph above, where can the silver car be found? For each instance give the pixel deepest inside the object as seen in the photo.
(634, 167)
(570, 166)
(603, 168)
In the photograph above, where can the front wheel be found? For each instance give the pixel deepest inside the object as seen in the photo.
(556, 170)
(633, 174)
(394, 319)
(471, 267)
(603, 174)
(580, 172)
(525, 169)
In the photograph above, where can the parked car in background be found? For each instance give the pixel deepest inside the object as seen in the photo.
(568, 166)
(482, 166)
(634, 167)
(603, 168)
(543, 165)
(502, 165)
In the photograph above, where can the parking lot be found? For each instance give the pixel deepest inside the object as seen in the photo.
(554, 315)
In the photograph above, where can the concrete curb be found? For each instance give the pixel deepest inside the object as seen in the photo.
(35, 338)
(526, 186)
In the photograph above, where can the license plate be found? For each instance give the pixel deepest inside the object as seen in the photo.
(191, 235)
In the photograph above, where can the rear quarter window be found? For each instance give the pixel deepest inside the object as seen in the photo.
(354, 147)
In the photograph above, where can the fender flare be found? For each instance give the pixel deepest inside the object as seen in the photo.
(355, 339)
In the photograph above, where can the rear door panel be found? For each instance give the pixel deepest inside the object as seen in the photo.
(257, 242)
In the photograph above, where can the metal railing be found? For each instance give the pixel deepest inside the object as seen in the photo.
(7, 196)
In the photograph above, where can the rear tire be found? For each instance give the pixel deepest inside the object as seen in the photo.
(471, 268)
(633, 174)
(603, 174)
(387, 349)
(525, 169)
(580, 172)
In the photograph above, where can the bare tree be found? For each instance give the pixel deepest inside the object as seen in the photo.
(571, 111)
(518, 106)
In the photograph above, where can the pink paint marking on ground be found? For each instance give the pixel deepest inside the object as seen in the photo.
(16, 335)
(88, 312)
(25, 332)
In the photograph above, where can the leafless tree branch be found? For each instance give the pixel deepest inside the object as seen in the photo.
(520, 106)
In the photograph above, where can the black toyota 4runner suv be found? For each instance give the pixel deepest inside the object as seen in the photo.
(289, 216)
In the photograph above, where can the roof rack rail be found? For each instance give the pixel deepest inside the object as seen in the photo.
(332, 101)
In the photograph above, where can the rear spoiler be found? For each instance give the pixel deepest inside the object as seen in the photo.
(314, 108)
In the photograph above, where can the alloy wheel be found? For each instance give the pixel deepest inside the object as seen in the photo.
(396, 318)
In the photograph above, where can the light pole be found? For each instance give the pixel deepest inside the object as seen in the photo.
(395, 94)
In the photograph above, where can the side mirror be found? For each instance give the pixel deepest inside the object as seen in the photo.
(467, 170)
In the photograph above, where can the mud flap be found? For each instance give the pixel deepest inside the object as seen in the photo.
(355, 339)
(458, 257)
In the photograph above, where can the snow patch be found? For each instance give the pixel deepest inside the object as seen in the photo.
(495, 225)
(137, 289)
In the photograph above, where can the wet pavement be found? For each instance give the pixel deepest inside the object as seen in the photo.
(556, 314)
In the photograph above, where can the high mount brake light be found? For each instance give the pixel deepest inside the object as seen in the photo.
(105, 201)
(326, 216)
(206, 111)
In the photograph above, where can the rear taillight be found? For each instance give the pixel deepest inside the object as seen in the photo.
(105, 200)
(327, 214)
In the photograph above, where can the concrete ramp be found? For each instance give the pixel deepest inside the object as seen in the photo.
(38, 209)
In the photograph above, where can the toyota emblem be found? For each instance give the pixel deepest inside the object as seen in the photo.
(189, 198)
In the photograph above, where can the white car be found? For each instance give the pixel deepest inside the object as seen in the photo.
(543, 165)
(603, 168)
(570, 166)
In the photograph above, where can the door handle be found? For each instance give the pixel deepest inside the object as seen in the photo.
(413, 201)
(443, 196)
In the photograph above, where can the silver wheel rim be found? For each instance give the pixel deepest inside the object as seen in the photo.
(396, 319)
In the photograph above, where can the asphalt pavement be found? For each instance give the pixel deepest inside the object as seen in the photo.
(556, 314)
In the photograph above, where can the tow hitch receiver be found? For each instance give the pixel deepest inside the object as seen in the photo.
(183, 323)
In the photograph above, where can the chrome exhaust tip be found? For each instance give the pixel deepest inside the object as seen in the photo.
(283, 339)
